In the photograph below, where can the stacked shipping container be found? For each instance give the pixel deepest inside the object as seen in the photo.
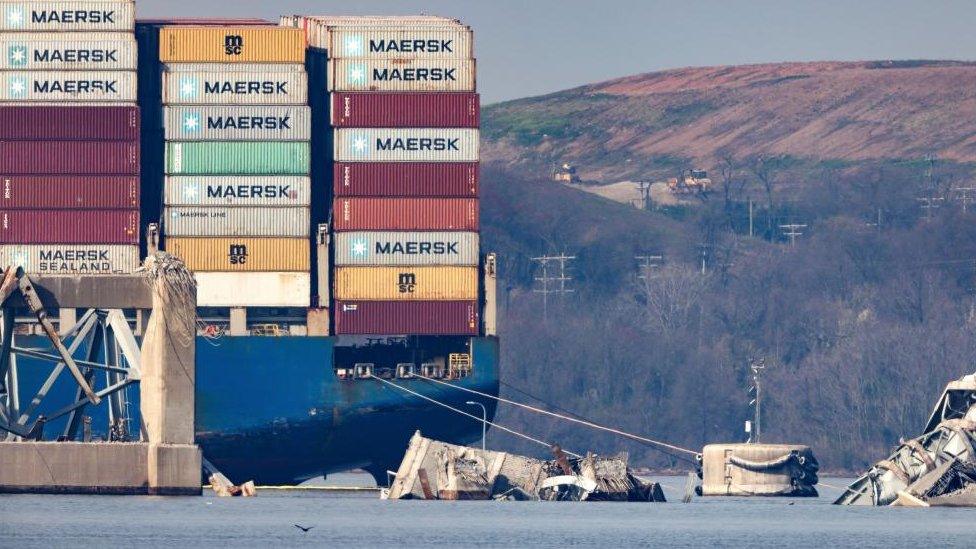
(69, 137)
(405, 145)
(237, 190)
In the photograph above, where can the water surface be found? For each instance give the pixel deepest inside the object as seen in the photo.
(361, 520)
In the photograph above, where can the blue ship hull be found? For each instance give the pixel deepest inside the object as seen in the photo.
(272, 410)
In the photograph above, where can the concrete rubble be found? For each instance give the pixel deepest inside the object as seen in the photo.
(436, 470)
(937, 468)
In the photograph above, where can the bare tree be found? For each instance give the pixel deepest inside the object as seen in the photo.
(673, 298)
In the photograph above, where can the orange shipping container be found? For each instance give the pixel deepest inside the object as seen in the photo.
(231, 45)
(406, 283)
(242, 254)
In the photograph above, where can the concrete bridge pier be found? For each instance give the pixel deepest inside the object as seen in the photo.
(166, 461)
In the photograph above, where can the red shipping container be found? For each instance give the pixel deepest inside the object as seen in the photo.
(69, 157)
(407, 317)
(60, 123)
(405, 214)
(405, 110)
(69, 226)
(65, 192)
(446, 179)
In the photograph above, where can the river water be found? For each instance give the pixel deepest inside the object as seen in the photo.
(362, 520)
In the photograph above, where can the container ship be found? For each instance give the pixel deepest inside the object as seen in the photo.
(319, 177)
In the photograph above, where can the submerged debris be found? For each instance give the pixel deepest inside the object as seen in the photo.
(436, 470)
(937, 468)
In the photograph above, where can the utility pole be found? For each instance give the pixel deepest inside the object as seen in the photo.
(932, 200)
(750, 217)
(876, 224)
(644, 188)
(793, 230)
(965, 196)
(647, 264)
(705, 250)
(757, 367)
(552, 284)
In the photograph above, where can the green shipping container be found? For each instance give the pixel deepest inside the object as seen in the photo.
(237, 158)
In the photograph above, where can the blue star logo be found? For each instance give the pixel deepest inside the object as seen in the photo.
(17, 86)
(360, 248)
(191, 191)
(188, 87)
(191, 122)
(15, 17)
(21, 258)
(354, 46)
(359, 144)
(357, 74)
(17, 55)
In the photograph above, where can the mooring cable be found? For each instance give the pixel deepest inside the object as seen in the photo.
(584, 418)
(472, 416)
(567, 418)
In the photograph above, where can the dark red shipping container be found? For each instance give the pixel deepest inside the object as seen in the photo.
(405, 214)
(65, 192)
(405, 110)
(407, 317)
(431, 179)
(69, 157)
(69, 226)
(60, 123)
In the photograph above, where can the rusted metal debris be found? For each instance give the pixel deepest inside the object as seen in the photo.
(436, 470)
(937, 468)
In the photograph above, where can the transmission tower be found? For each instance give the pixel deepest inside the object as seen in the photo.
(549, 281)
(647, 264)
(965, 196)
(793, 230)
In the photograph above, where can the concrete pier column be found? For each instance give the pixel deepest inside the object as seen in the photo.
(168, 385)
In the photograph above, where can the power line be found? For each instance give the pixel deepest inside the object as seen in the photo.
(552, 283)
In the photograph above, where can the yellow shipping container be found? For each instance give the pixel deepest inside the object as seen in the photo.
(242, 254)
(406, 283)
(231, 45)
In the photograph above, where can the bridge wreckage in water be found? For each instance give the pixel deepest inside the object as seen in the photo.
(935, 469)
(437, 470)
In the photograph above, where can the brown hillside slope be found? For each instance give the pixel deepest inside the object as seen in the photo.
(656, 122)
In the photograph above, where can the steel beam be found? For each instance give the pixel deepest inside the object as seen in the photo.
(34, 304)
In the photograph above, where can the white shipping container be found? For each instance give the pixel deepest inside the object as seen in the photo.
(63, 259)
(418, 75)
(406, 145)
(253, 289)
(406, 248)
(385, 42)
(238, 123)
(220, 221)
(71, 51)
(235, 88)
(90, 15)
(80, 86)
(238, 191)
